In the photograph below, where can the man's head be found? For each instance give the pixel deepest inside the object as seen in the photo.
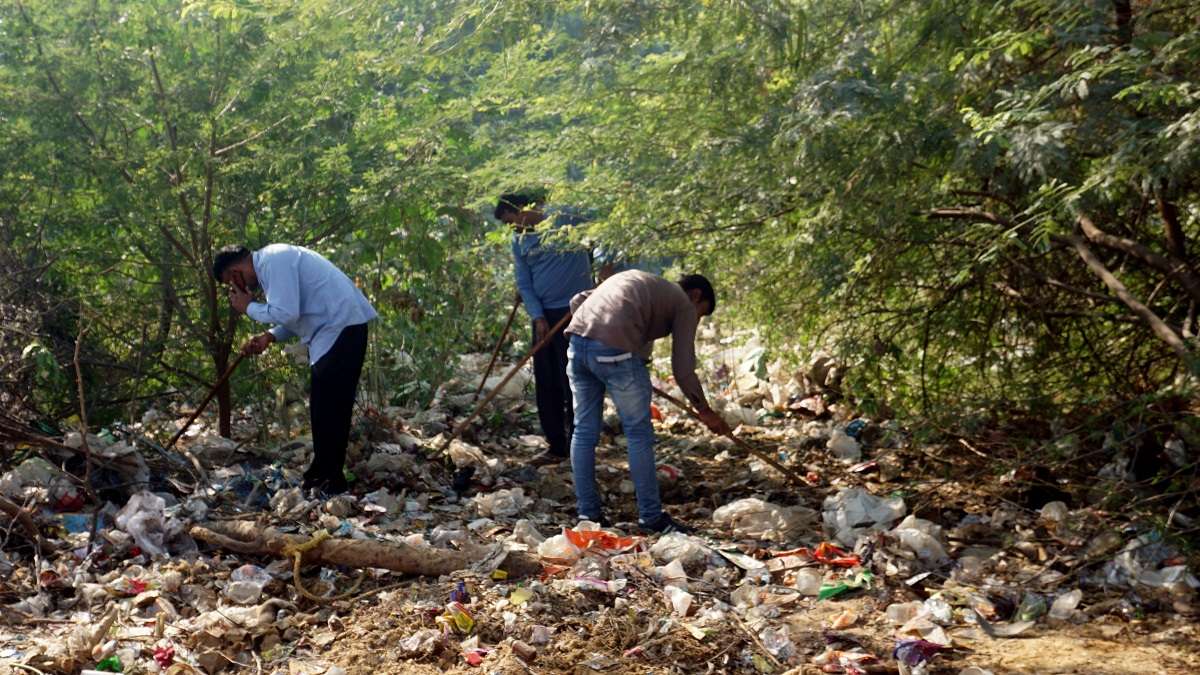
(518, 209)
(701, 293)
(233, 265)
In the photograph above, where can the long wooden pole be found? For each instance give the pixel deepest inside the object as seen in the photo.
(496, 352)
(201, 473)
(511, 373)
(789, 473)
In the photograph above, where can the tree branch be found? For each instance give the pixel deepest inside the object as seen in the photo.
(1157, 325)
(1169, 265)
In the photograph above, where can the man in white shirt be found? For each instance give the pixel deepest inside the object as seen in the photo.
(307, 296)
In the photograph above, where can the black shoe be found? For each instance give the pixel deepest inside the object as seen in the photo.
(664, 525)
(602, 520)
(325, 486)
(548, 457)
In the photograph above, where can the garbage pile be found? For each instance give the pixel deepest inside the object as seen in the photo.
(468, 559)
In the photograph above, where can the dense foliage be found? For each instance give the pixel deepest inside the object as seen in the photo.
(973, 203)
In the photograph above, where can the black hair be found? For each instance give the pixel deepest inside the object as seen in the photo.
(513, 202)
(699, 282)
(226, 257)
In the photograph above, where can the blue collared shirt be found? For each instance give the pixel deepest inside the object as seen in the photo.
(307, 296)
(548, 276)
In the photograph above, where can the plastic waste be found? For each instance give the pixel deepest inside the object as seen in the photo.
(246, 584)
(540, 635)
(672, 574)
(1055, 512)
(589, 583)
(460, 594)
(844, 620)
(777, 642)
(862, 579)
(501, 503)
(526, 533)
(854, 511)
(1032, 606)
(520, 596)
(420, 642)
(915, 652)
(559, 549)
(855, 428)
(923, 538)
(903, 612)
(164, 656)
(754, 518)
(142, 517)
(458, 617)
(686, 549)
(808, 581)
(1064, 605)
(678, 599)
(844, 447)
(746, 595)
(514, 388)
(586, 538)
(524, 651)
(939, 610)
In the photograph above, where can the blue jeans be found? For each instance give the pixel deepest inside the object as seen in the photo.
(592, 370)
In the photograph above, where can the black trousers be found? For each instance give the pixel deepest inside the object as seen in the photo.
(331, 406)
(553, 389)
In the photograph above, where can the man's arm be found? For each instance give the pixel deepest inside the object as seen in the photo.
(578, 299)
(524, 278)
(282, 277)
(683, 358)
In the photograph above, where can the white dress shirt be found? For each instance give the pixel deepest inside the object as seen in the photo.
(307, 296)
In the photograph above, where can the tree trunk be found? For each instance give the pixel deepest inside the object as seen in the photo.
(224, 398)
(1124, 20)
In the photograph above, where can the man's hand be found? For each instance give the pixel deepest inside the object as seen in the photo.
(714, 422)
(540, 328)
(240, 298)
(258, 344)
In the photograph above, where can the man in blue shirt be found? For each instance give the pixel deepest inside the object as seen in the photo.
(548, 276)
(307, 296)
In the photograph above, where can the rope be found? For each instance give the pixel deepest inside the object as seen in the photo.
(297, 551)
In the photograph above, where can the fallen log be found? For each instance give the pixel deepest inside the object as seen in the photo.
(252, 538)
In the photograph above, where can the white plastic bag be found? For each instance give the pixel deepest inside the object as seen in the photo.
(854, 511)
(843, 446)
(756, 519)
(501, 503)
(142, 518)
(559, 547)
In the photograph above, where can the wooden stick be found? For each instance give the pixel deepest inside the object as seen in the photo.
(789, 473)
(496, 352)
(204, 404)
(496, 390)
(201, 474)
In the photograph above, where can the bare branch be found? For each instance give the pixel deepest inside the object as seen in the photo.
(1157, 325)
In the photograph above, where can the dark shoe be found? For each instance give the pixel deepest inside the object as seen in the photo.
(602, 520)
(547, 457)
(325, 486)
(462, 479)
(664, 525)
